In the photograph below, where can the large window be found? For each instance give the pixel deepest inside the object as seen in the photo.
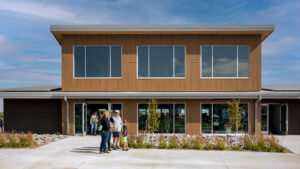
(161, 61)
(97, 61)
(215, 118)
(172, 118)
(225, 61)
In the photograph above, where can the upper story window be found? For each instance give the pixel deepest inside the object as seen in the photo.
(225, 61)
(97, 61)
(161, 61)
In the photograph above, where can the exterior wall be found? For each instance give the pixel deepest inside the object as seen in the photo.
(192, 81)
(293, 113)
(34, 115)
(193, 115)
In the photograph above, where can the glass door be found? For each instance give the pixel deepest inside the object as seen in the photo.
(283, 119)
(264, 118)
(80, 118)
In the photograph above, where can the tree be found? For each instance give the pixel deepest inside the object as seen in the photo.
(235, 115)
(153, 118)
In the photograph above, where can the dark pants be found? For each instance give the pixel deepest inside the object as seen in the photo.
(104, 139)
(109, 137)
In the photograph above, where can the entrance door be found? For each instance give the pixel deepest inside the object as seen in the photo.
(80, 118)
(264, 118)
(283, 119)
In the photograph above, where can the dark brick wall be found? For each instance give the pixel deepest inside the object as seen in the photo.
(35, 115)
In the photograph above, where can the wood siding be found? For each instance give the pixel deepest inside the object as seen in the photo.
(193, 115)
(192, 81)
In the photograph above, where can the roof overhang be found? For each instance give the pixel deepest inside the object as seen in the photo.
(58, 30)
(147, 95)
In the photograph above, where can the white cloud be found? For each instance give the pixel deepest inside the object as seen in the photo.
(38, 9)
(53, 60)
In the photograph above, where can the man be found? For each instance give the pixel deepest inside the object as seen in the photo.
(94, 123)
(117, 129)
(1, 125)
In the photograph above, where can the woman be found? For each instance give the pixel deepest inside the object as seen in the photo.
(104, 132)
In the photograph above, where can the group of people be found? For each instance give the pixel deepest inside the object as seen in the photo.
(108, 126)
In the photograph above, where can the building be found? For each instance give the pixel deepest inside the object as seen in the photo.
(193, 71)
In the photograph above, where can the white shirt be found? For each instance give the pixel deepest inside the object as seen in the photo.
(117, 123)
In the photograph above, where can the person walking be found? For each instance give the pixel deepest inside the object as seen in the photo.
(104, 132)
(117, 129)
(94, 123)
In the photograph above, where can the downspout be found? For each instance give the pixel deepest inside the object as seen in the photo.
(67, 113)
(256, 112)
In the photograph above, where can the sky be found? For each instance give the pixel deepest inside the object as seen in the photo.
(30, 55)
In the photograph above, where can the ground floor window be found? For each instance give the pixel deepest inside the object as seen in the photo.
(215, 118)
(172, 117)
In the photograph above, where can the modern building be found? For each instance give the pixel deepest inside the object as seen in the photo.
(192, 70)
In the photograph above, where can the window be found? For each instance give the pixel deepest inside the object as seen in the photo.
(161, 61)
(172, 117)
(225, 61)
(215, 118)
(97, 61)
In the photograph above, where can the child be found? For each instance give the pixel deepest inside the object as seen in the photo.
(124, 135)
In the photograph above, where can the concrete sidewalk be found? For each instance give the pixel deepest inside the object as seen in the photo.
(292, 142)
(82, 152)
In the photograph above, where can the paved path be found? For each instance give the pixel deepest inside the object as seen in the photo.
(292, 142)
(82, 152)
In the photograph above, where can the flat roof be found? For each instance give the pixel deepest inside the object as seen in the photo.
(263, 29)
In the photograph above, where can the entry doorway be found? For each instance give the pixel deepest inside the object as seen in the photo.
(84, 111)
(274, 118)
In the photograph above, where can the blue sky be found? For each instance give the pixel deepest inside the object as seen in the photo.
(29, 54)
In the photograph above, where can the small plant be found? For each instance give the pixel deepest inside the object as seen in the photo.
(148, 145)
(162, 142)
(236, 148)
(139, 142)
(255, 147)
(173, 143)
(208, 147)
(196, 143)
(2, 142)
(220, 144)
(24, 140)
(186, 144)
(247, 142)
(130, 141)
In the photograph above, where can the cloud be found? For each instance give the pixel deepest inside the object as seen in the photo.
(38, 9)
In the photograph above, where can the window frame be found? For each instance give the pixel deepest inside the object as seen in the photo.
(212, 109)
(109, 77)
(212, 68)
(173, 106)
(137, 62)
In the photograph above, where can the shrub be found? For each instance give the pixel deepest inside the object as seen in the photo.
(247, 142)
(196, 143)
(208, 147)
(260, 140)
(220, 144)
(148, 145)
(235, 148)
(12, 140)
(138, 145)
(185, 144)
(25, 140)
(173, 143)
(255, 147)
(280, 149)
(162, 142)
(130, 141)
(31, 139)
(274, 144)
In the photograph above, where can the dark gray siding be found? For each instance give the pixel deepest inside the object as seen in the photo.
(35, 115)
(293, 113)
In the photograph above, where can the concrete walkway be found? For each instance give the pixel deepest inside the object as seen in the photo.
(82, 152)
(292, 142)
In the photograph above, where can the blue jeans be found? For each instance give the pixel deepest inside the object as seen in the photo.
(104, 139)
(108, 140)
(94, 128)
